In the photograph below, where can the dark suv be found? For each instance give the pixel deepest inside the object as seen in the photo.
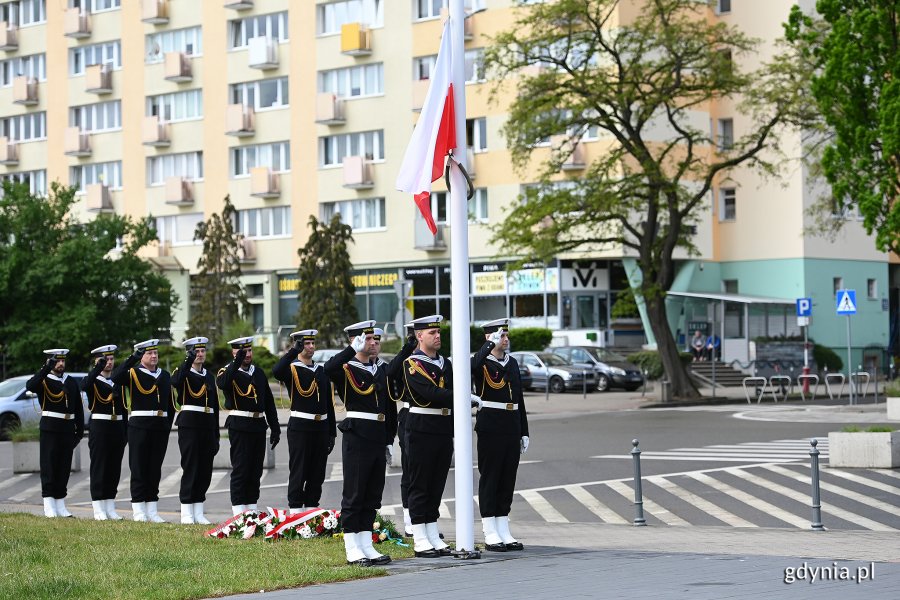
(613, 370)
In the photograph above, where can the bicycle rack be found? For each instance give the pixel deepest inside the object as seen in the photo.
(855, 380)
(813, 381)
(829, 377)
(759, 383)
(785, 386)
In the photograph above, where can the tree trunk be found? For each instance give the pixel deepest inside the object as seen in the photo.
(681, 385)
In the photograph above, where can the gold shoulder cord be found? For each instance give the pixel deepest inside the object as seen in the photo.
(201, 393)
(313, 387)
(98, 398)
(135, 383)
(53, 398)
(414, 367)
(348, 378)
(251, 391)
(497, 385)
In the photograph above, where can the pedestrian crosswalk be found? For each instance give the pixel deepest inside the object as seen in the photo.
(774, 451)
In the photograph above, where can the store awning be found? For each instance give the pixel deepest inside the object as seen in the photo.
(739, 298)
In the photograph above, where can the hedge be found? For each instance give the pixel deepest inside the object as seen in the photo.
(649, 362)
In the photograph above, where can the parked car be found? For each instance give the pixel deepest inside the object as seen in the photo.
(525, 377)
(324, 354)
(612, 370)
(547, 367)
(19, 406)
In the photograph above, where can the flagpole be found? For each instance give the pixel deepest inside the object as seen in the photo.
(459, 290)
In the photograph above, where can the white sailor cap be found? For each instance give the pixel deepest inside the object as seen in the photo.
(361, 328)
(57, 353)
(241, 342)
(305, 334)
(147, 345)
(409, 327)
(429, 322)
(107, 350)
(496, 325)
(196, 342)
(378, 333)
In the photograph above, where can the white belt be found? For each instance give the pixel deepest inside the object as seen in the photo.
(500, 405)
(310, 416)
(149, 413)
(196, 408)
(247, 413)
(406, 405)
(96, 417)
(441, 412)
(355, 414)
(57, 415)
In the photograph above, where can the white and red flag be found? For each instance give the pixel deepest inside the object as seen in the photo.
(434, 136)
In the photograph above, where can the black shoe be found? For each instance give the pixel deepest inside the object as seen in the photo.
(362, 562)
(445, 551)
(514, 546)
(501, 547)
(381, 560)
(441, 535)
(430, 553)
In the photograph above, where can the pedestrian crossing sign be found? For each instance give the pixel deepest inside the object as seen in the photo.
(846, 302)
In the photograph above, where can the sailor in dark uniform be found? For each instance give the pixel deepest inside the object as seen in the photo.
(149, 423)
(108, 433)
(61, 426)
(502, 429)
(311, 430)
(368, 427)
(249, 398)
(198, 428)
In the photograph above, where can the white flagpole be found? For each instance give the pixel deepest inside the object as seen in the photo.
(459, 290)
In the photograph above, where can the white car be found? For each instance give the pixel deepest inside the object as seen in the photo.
(18, 405)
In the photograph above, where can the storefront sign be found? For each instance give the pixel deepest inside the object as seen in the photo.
(489, 284)
(374, 279)
(586, 276)
(533, 281)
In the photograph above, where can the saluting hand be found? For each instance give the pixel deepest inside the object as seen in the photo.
(495, 338)
(298, 344)
(358, 343)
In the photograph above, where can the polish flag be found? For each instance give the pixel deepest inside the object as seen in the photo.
(434, 136)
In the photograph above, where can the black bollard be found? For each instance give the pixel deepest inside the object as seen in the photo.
(639, 520)
(816, 499)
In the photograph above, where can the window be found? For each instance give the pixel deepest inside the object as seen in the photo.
(872, 289)
(475, 65)
(180, 106)
(723, 6)
(476, 134)
(727, 204)
(95, 5)
(440, 211)
(110, 173)
(362, 215)
(178, 230)
(423, 66)
(107, 53)
(24, 12)
(269, 222)
(187, 164)
(266, 93)
(725, 138)
(157, 44)
(478, 206)
(353, 82)
(33, 66)
(431, 9)
(837, 283)
(730, 286)
(276, 156)
(36, 180)
(103, 116)
(274, 26)
(334, 148)
(24, 128)
(331, 16)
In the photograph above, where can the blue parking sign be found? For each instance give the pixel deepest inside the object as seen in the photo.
(804, 307)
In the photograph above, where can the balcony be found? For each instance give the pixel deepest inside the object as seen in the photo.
(264, 183)
(9, 37)
(419, 91)
(424, 239)
(155, 11)
(76, 24)
(179, 191)
(356, 39)
(98, 79)
(97, 198)
(248, 251)
(468, 25)
(239, 4)
(329, 109)
(76, 142)
(262, 53)
(240, 120)
(177, 67)
(9, 152)
(357, 173)
(25, 90)
(575, 161)
(155, 133)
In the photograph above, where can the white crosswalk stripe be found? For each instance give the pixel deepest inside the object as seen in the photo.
(749, 500)
(594, 505)
(837, 490)
(774, 451)
(543, 508)
(699, 502)
(663, 514)
(864, 481)
(18, 478)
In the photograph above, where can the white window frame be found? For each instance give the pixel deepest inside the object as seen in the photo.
(157, 44)
(251, 222)
(369, 144)
(478, 206)
(83, 175)
(725, 134)
(340, 81)
(26, 127)
(726, 194)
(183, 164)
(12, 12)
(872, 289)
(91, 6)
(87, 116)
(479, 134)
(474, 61)
(331, 16)
(33, 66)
(241, 93)
(244, 158)
(167, 229)
(37, 180)
(356, 213)
(111, 55)
(189, 102)
(257, 26)
(723, 7)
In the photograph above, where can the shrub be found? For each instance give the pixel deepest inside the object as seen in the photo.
(528, 338)
(826, 357)
(27, 432)
(650, 362)
(880, 429)
(892, 389)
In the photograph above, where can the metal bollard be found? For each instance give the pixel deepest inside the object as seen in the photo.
(583, 384)
(816, 499)
(639, 520)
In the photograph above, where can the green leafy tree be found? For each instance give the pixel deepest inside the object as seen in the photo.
(327, 300)
(854, 48)
(70, 284)
(636, 78)
(219, 297)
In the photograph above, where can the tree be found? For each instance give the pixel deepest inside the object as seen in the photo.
(70, 284)
(854, 48)
(326, 295)
(638, 83)
(219, 295)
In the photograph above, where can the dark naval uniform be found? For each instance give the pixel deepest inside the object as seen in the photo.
(369, 426)
(500, 424)
(61, 427)
(198, 429)
(311, 429)
(252, 406)
(397, 390)
(108, 433)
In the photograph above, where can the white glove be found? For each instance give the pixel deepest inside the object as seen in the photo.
(477, 402)
(523, 444)
(358, 343)
(389, 454)
(494, 338)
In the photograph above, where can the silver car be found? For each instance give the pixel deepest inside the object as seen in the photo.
(561, 374)
(18, 405)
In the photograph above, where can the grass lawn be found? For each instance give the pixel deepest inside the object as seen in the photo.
(78, 558)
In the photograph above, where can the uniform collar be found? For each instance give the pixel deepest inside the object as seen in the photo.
(153, 374)
(248, 371)
(497, 360)
(300, 363)
(201, 373)
(370, 367)
(438, 362)
(55, 378)
(105, 380)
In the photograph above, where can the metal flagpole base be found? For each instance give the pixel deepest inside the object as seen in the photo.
(466, 554)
